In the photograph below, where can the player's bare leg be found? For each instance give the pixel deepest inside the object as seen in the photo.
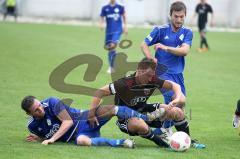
(111, 56)
(83, 140)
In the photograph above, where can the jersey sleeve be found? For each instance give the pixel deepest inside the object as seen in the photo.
(122, 10)
(188, 38)
(210, 10)
(103, 13)
(197, 8)
(117, 87)
(153, 37)
(56, 105)
(32, 128)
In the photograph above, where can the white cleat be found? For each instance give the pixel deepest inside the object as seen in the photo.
(110, 70)
(236, 121)
(129, 143)
(166, 134)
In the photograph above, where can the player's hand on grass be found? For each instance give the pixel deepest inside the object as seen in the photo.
(32, 138)
(49, 141)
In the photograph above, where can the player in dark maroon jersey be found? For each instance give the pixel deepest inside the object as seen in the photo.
(134, 91)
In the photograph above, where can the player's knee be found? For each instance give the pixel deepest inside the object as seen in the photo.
(83, 140)
(182, 101)
(111, 46)
(178, 114)
(137, 126)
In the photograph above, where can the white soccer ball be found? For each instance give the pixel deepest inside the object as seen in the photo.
(180, 141)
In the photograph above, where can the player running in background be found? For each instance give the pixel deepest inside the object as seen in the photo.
(202, 10)
(10, 9)
(51, 120)
(114, 14)
(134, 91)
(172, 43)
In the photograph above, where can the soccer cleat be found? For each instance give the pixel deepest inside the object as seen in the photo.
(129, 143)
(164, 134)
(197, 145)
(199, 50)
(110, 70)
(236, 121)
(158, 113)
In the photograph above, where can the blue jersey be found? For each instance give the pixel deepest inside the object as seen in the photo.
(49, 125)
(113, 15)
(164, 35)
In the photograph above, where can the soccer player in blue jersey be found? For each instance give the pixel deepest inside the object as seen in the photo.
(114, 15)
(51, 120)
(172, 43)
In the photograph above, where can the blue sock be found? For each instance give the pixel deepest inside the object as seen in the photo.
(111, 57)
(100, 141)
(126, 113)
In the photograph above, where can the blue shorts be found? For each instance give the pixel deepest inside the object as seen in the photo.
(84, 127)
(112, 38)
(177, 78)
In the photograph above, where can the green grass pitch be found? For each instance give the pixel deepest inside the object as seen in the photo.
(30, 52)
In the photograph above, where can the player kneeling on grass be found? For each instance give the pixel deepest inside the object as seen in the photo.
(134, 91)
(51, 120)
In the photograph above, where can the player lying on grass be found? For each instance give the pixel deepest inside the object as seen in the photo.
(51, 120)
(133, 92)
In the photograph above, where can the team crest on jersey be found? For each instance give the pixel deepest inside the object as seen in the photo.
(116, 10)
(49, 122)
(181, 37)
(146, 91)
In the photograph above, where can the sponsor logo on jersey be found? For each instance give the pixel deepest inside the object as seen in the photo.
(52, 131)
(115, 16)
(137, 100)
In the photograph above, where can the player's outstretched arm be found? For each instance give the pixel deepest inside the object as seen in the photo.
(66, 124)
(179, 97)
(96, 100)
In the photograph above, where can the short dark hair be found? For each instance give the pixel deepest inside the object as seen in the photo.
(27, 102)
(178, 6)
(146, 63)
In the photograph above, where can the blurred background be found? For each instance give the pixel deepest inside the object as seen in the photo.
(139, 12)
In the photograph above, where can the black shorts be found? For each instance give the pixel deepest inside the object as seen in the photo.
(123, 124)
(202, 27)
(11, 10)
